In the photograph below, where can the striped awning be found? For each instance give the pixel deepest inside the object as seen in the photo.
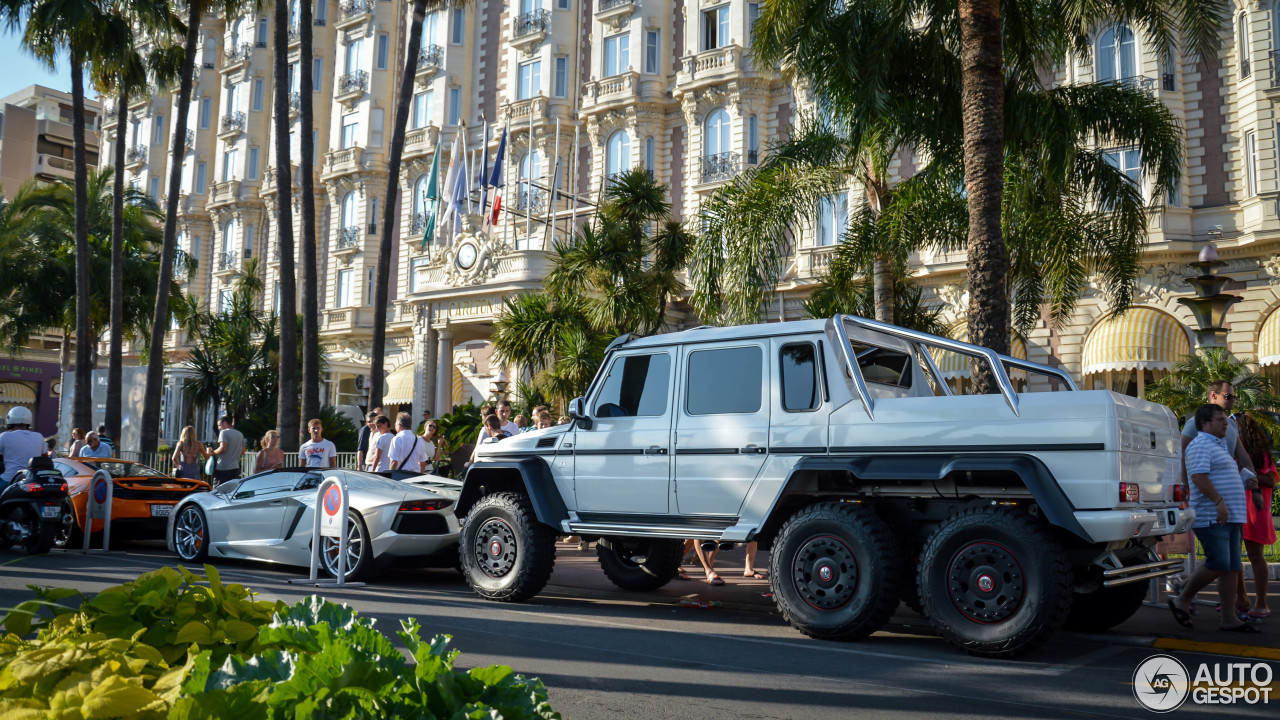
(1142, 338)
(400, 386)
(16, 393)
(1269, 341)
(955, 365)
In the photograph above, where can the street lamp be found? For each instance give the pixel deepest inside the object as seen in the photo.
(1210, 305)
(500, 384)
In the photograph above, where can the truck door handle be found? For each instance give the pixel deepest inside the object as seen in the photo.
(753, 450)
(655, 450)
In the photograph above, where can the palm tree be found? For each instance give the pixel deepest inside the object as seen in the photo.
(150, 430)
(80, 28)
(287, 409)
(958, 80)
(615, 276)
(310, 269)
(389, 216)
(41, 265)
(123, 70)
(844, 289)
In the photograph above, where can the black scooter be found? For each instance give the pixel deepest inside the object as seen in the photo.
(31, 507)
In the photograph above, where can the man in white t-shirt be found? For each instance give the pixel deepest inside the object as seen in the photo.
(408, 451)
(504, 414)
(379, 457)
(19, 444)
(318, 452)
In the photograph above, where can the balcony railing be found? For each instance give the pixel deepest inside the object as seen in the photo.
(418, 223)
(232, 122)
(135, 153)
(1246, 68)
(720, 166)
(1140, 82)
(352, 8)
(349, 237)
(294, 33)
(295, 102)
(611, 4)
(190, 143)
(353, 82)
(529, 200)
(237, 54)
(226, 260)
(1167, 82)
(532, 22)
(1275, 69)
(430, 58)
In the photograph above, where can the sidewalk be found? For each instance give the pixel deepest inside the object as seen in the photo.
(578, 574)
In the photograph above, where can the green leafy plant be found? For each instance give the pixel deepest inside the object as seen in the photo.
(168, 646)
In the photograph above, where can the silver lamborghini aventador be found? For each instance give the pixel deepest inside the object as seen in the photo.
(270, 517)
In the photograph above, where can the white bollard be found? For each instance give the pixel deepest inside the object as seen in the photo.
(332, 513)
(101, 491)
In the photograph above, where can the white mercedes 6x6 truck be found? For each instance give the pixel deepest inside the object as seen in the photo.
(838, 446)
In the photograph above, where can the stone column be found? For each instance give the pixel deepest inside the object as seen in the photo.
(444, 371)
(424, 376)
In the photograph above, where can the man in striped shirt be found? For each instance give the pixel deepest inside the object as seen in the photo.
(1218, 498)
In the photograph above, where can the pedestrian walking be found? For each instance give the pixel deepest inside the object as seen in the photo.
(362, 445)
(229, 451)
(188, 455)
(270, 456)
(1259, 529)
(1218, 498)
(318, 452)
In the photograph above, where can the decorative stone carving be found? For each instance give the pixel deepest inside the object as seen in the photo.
(1157, 281)
(472, 257)
(954, 298)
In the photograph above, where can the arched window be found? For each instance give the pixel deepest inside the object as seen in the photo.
(420, 195)
(1117, 54)
(1243, 44)
(228, 235)
(237, 28)
(617, 156)
(531, 165)
(717, 140)
(293, 14)
(348, 218)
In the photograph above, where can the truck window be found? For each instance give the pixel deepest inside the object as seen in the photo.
(883, 366)
(799, 377)
(724, 381)
(637, 386)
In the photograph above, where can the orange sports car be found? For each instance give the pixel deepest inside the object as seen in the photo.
(142, 497)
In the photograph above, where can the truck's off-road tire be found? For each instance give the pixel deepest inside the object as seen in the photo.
(640, 564)
(506, 554)
(994, 581)
(1106, 608)
(835, 571)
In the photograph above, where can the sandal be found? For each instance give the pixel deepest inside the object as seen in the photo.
(1259, 614)
(682, 575)
(756, 574)
(714, 579)
(1182, 617)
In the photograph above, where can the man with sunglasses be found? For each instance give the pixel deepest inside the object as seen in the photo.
(1222, 394)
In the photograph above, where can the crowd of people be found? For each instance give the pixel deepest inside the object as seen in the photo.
(1232, 478)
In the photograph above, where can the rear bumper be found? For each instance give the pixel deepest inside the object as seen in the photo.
(1115, 525)
(395, 545)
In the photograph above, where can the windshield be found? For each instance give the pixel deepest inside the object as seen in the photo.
(117, 469)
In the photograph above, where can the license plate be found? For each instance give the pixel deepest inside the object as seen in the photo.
(161, 510)
(50, 511)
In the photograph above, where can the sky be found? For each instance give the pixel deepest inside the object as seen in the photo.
(19, 70)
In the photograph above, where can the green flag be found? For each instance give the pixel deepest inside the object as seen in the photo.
(429, 202)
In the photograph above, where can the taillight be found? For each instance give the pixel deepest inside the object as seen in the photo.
(64, 487)
(1180, 493)
(424, 505)
(33, 487)
(1128, 492)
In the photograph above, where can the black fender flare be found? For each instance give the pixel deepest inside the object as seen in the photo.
(893, 468)
(533, 473)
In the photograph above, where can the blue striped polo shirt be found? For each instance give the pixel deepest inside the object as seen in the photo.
(1207, 455)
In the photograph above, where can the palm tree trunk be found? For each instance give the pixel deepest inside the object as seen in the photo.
(287, 409)
(310, 279)
(882, 287)
(82, 411)
(114, 367)
(150, 430)
(377, 373)
(982, 110)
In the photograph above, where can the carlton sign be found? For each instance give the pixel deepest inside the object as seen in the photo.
(469, 308)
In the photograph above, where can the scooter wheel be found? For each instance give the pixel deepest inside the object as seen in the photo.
(39, 534)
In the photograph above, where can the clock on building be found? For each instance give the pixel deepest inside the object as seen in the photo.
(466, 256)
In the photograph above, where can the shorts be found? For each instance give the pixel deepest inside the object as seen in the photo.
(1221, 546)
(221, 476)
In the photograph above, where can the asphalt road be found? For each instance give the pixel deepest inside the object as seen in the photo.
(608, 654)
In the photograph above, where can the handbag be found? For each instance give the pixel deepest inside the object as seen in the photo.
(210, 465)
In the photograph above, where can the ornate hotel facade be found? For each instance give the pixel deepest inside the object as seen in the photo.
(590, 89)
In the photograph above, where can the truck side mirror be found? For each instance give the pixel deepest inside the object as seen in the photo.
(578, 411)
